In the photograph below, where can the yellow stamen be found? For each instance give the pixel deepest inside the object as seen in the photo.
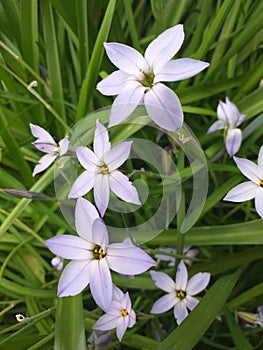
(124, 312)
(147, 80)
(104, 169)
(98, 253)
(180, 294)
(261, 183)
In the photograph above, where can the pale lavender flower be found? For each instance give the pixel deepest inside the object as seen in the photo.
(93, 257)
(47, 144)
(98, 340)
(57, 263)
(119, 315)
(180, 293)
(101, 171)
(249, 189)
(139, 79)
(252, 318)
(191, 253)
(229, 119)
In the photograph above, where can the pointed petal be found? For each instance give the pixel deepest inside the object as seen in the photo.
(128, 260)
(242, 192)
(42, 134)
(45, 147)
(74, 278)
(260, 158)
(87, 158)
(82, 185)
(183, 68)
(132, 319)
(219, 124)
(101, 192)
(122, 324)
(126, 102)
(100, 234)
(249, 169)
(233, 141)
(113, 83)
(70, 247)
(44, 163)
(125, 58)
(85, 215)
(63, 146)
(233, 111)
(164, 47)
(241, 118)
(259, 202)
(221, 112)
(180, 312)
(164, 107)
(117, 293)
(123, 188)
(197, 283)
(101, 143)
(191, 302)
(163, 304)
(163, 281)
(105, 323)
(100, 283)
(181, 277)
(118, 155)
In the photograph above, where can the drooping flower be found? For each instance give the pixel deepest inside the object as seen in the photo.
(120, 314)
(249, 189)
(191, 253)
(93, 257)
(101, 171)
(47, 144)
(180, 293)
(229, 119)
(139, 79)
(98, 340)
(252, 319)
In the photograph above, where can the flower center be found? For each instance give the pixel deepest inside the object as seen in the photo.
(261, 183)
(124, 312)
(180, 294)
(147, 80)
(104, 169)
(98, 253)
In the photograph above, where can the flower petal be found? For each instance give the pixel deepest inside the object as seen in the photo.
(259, 202)
(132, 319)
(164, 107)
(126, 102)
(105, 323)
(82, 185)
(113, 83)
(70, 247)
(233, 111)
(163, 304)
(219, 124)
(242, 192)
(85, 214)
(46, 147)
(183, 68)
(101, 143)
(44, 163)
(123, 188)
(260, 158)
(118, 155)
(42, 134)
(125, 58)
(164, 47)
(180, 312)
(233, 141)
(100, 234)
(197, 283)
(122, 324)
(100, 283)
(251, 170)
(163, 281)
(63, 146)
(101, 192)
(222, 113)
(128, 260)
(181, 277)
(191, 302)
(74, 278)
(87, 158)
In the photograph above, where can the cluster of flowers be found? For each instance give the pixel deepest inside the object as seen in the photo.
(139, 79)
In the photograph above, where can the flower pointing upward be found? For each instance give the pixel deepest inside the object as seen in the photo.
(249, 189)
(101, 171)
(139, 79)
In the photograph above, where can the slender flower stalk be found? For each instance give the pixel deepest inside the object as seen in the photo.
(229, 119)
(139, 79)
(101, 171)
(47, 144)
(93, 257)
(249, 189)
(120, 314)
(180, 293)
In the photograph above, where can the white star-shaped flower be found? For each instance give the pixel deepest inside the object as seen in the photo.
(93, 257)
(120, 314)
(47, 144)
(249, 189)
(229, 119)
(139, 79)
(180, 293)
